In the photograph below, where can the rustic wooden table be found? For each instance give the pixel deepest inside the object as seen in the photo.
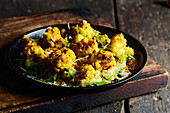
(148, 21)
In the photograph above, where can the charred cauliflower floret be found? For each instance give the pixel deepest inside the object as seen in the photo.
(25, 41)
(35, 52)
(119, 49)
(103, 40)
(61, 59)
(49, 51)
(103, 60)
(84, 29)
(89, 74)
(85, 47)
(52, 38)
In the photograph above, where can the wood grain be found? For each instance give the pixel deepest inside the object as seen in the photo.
(148, 21)
(19, 94)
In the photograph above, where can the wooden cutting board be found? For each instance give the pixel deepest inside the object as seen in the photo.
(17, 94)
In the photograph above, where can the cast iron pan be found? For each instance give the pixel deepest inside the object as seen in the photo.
(13, 53)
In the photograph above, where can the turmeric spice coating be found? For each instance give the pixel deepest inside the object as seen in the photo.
(79, 56)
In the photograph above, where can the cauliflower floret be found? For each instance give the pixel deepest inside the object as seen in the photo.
(103, 40)
(52, 38)
(118, 45)
(61, 59)
(119, 49)
(103, 60)
(129, 50)
(25, 41)
(84, 29)
(89, 74)
(77, 38)
(85, 47)
(35, 52)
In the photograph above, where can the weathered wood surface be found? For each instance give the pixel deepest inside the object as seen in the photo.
(13, 8)
(149, 22)
(17, 93)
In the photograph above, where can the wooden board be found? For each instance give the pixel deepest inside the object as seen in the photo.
(19, 94)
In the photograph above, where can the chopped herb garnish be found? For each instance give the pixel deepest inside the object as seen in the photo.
(31, 65)
(121, 58)
(101, 42)
(85, 36)
(101, 83)
(131, 57)
(99, 38)
(37, 39)
(106, 77)
(105, 46)
(98, 33)
(77, 30)
(68, 26)
(42, 60)
(66, 41)
(67, 72)
(49, 79)
(55, 76)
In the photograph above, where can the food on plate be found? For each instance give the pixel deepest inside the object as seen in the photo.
(79, 56)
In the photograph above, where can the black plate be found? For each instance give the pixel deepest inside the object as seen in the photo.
(13, 53)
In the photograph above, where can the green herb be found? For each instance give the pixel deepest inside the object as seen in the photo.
(77, 30)
(37, 39)
(31, 65)
(85, 36)
(43, 81)
(121, 58)
(74, 72)
(79, 57)
(105, 46)
(66, 41)
(101, 83)
(55, 76)
(67, 72)
(99, 38)
(49, 79)
(68, 26)
(98, 33)
(101, 42)
(131, 57)
(106, 77)
(117, 71)
(42, 60)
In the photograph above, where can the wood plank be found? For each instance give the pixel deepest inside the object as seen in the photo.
(15, 8)
(148, 21)
(22, 94)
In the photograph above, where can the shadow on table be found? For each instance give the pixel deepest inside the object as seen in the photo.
(161, 3)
